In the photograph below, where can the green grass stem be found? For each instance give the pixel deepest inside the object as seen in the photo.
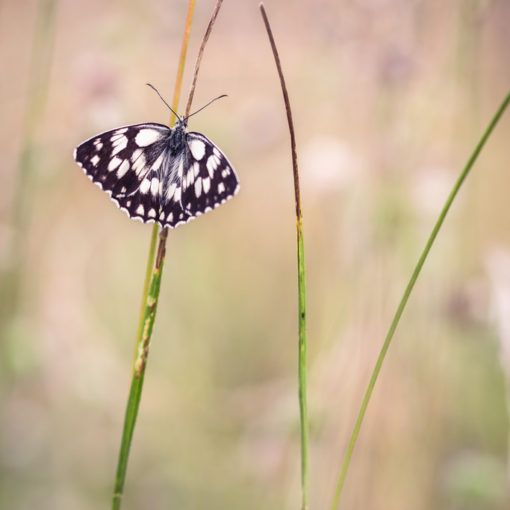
(407, 293)
(302, 389)
(303, 407)
(150, 297)
(147, 281)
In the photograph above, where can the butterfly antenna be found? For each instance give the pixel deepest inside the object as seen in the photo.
(199, 110)
(161, 97)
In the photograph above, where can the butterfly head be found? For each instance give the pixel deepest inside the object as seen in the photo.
(181, 123)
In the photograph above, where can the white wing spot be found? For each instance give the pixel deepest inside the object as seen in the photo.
(117, 134)
(196, 169)
(145, 186)
(221, 187)
(123, 169)
(198, 187)
(119, 139)
(140, 210)
(146, 137)
(157, 163)
(98, 144)
(170, 216)
(225, 172)
(207, 184)
(139, 164)
(212, 164)
(119, 145)
(136, 154)
(152, 213)
(170, 191)
(154, 186)
(114, 163)
(95, 160)
(216, 152)
(197, 148)
(177, 195)
(189, 177)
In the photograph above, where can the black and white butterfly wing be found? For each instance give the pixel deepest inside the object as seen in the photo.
(125, 162)
(209, 179)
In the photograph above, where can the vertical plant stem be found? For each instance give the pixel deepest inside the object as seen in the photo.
(407, 293)
(148, 311)
(175, 105)
(303, 409)
(182, 60)
(200, 54)
(147, 281)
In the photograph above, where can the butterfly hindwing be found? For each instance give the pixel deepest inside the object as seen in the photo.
(144, 203)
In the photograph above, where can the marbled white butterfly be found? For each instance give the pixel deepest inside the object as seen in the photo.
(157, 173)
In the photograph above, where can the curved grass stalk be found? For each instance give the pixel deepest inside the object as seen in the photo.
(407, 293)
(303, 408)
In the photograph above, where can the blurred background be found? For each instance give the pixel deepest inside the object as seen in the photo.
(389, 99)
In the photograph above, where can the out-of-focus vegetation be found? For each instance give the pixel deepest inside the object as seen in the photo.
(389, 98)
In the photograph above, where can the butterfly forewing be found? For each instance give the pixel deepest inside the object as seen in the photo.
(153, 178)
(116, 161)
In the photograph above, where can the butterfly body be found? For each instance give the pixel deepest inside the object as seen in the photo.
(157, 173)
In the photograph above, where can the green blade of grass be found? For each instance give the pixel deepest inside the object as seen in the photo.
(407, 293)
(303, 407)
(148, 311)
(137, 379)
(147, 281)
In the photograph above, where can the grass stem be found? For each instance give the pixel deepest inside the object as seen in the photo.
(148, 311)
(303, 408)
(407, 293)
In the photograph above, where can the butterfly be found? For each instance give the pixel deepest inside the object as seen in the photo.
(159, 174)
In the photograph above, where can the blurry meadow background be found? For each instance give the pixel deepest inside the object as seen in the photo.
(389, 99)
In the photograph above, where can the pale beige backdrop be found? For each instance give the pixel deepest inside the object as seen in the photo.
(389, 99)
